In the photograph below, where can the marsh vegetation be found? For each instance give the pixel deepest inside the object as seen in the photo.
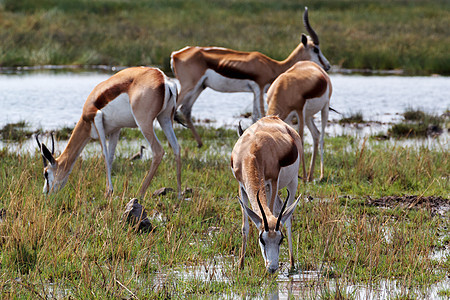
(73, 244)
(376, 225)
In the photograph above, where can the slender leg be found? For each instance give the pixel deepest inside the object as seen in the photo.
(324, 112)
(245, 227)
(292, 188)
(165, 121)
(98, 123)
(261, 101)
(301, 125)
(113, 140)
(315, 135)
(186, 109)
(144, 119)
(158, 153)
(257, 112)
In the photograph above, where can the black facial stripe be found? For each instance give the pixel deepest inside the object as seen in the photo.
(321, 61)
(261, 240)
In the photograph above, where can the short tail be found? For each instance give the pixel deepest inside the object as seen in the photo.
(179, 119)
(332, 109)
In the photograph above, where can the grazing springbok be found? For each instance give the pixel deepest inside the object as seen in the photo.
(133, 97)
(227, 70)
(304, 89)
(264, 160)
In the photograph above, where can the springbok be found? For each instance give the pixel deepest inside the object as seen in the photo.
(304, 89)
(133, 97)
(227, 70)
(264, 160)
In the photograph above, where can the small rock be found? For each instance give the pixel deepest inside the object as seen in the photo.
(162, 191)
(188, 191)
(136, 214)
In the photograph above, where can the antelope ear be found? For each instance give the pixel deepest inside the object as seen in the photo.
(47, 155)
(289, 211)
(304, 40)
(253, 216)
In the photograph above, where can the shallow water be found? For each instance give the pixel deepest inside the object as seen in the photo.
(50, 100)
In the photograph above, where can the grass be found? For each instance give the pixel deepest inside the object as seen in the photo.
(375, 35)
(352, 118)
(417, 124)
(15, 131)
(72, 244)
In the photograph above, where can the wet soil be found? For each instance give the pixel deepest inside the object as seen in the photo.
(435, 204)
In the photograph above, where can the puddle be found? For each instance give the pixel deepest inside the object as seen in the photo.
(303, 285)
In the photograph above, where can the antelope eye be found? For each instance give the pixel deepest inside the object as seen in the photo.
(316, 50)
(261, 240)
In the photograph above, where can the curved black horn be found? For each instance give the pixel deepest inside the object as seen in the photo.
(277, 227)
(53, 143)
(266, 225)
(36, 136)
(308, 27)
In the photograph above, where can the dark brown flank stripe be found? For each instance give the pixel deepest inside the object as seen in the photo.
(317, 90)
(290, 157)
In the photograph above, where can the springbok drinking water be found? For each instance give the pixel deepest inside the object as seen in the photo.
(264, 160)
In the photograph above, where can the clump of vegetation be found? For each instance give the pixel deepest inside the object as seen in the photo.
(414, 115)
(63, 133)
(417, 124)
(16, 132)
(444, 293)
(352, 118)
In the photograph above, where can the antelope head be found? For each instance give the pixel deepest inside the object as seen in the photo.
(312, 45)
(52, 182)
(270, 235)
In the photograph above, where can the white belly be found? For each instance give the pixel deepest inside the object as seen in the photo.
(288, 173)
(117, 114)
(228, 85)
(314, 105)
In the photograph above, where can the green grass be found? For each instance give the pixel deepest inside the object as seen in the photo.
(417, 124)
(352, 118)
(15, 132)
(73, 241)
(408, 35)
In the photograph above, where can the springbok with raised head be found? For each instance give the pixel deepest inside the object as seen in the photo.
(133, 97)
(264, 160)
(227, 70)
(304, 89)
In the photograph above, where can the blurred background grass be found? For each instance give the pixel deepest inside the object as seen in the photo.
(387, 34)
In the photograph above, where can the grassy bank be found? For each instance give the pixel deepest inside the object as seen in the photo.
(409, 35)
(72, 243)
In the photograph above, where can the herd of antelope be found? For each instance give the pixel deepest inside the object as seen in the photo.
(265, 158)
